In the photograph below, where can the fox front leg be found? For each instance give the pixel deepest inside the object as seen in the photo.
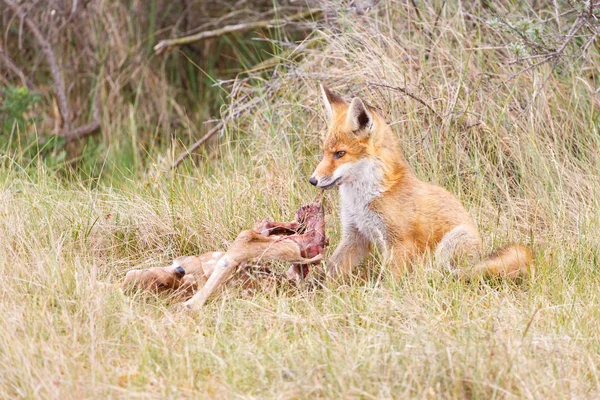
(353, 248)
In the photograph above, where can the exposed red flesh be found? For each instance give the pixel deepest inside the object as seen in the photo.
(310, 231)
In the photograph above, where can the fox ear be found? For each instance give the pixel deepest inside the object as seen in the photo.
(359, 117)
(330, 99)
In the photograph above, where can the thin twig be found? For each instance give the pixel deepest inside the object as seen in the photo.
(198, 143)
(408, 93)
(577, 25)
(555, 55)
(165, 45)
(10, 64)
(525, 39)
(529, 68)
(231, 114)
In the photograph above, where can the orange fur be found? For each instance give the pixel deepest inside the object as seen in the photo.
(385, 204)
(510, 262)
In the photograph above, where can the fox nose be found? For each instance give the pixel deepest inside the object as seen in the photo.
(180, 271)
(313, 181)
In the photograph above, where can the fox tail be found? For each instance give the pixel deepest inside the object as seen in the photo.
(507, 262)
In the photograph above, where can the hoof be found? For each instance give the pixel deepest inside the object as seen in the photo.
(183, 307)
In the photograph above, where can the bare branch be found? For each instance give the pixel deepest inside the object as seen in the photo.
(88, 129)
(215, 129)
(555, 55)
(198, 143)
(166, 45)
(63, 105)
(10, 64)
(61, 96)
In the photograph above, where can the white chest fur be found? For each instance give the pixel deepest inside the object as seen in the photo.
(362, 184)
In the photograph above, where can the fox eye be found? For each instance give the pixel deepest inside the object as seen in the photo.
(339, 154)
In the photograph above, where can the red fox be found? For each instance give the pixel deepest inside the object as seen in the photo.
(384, 204)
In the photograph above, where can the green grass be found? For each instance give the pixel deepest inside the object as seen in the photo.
(527, 174)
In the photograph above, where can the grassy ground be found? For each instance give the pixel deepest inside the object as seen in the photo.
(521, 153)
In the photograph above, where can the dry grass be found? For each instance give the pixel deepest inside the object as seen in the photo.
(523, 157)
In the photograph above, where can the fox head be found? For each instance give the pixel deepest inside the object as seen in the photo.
(349, 142)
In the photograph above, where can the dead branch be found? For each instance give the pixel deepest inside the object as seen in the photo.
(59, 84)
(88, 129)
(555, 55)
(10, 64)
(198, 143)
(63, 105)
(230, 115)
(166, 45)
